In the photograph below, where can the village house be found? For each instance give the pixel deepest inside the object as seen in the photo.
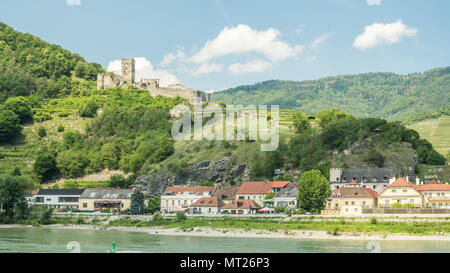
(400, 191)
(226, 194)
(286, 198)
(31, 197)
(180, 198)
(372, 178)
(241, 207)
(59, 199)
(435, 195)
(258, 191)
(206, 205)
(350, 200)
(114, 200)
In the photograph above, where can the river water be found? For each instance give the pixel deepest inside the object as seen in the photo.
(89, 241)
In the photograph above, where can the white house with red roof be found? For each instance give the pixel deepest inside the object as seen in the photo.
(401, 191)
(180, 198)
(241, 207)
(206, 205)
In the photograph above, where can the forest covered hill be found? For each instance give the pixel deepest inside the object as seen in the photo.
(386, 95)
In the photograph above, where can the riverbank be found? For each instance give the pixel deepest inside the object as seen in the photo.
(243, 233)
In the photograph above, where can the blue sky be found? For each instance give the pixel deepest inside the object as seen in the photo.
(217, 44)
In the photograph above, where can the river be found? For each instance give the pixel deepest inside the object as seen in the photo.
(35, 240)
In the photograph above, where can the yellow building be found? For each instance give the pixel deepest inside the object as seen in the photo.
(435, 195)
(401, 191)
(256, 191)
(350, 200)
(105, 199)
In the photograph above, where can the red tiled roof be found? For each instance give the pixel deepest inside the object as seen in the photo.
(401, 182)
(241, 204)
(207, 202)
(280, 184)
(432, 187)
(355, 192)
(195, 190)
(255, 188)
(353, 183)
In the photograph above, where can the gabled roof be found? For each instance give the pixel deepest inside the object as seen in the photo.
(242, 204)
(208, 202)
(255, 188)
(292, 192)
(370, 174)
(432, 187)
(182, 189)
(401, 182)
(354, 192)
(107, 194)
(226, 193)
(60, 192)
(279, 184)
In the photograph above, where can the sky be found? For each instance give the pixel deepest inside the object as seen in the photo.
(218, 44)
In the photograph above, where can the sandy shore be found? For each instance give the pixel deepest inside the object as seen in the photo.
(240, 233)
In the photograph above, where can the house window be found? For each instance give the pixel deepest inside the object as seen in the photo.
(386, 202)
(364, 202)
(394, 190)
(353, 203)
(346, 203)
(84, 205)
(405, 190)
(430, 194)
(374, 187)
(411, 201)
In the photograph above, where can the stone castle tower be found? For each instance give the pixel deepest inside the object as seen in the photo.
(129, 70)
(128, 77)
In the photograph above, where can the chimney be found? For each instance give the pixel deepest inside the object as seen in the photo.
(392, 180)
(407, 179)
(417, 181)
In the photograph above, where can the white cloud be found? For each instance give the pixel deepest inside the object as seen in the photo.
(170, 57)
(243, 39)
(207, 68)
(374, 2)
(73, 2)
(249, 67)
(379, 33)
(300, 28)
(144, 69)
(321, 39)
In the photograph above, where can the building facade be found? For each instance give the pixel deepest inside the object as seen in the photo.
(61, 199)
(180, 198)
(241, 207)
(400, 191)
(350, 200)
(206, 205)
(256, 191)
(372, 178)
(114, 200)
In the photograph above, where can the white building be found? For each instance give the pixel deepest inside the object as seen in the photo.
(180, 198)
(58, 199)
(206, 205)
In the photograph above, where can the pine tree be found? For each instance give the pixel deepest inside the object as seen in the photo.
(137, 205)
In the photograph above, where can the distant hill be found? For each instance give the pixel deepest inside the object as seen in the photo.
(386, 95)
(31, 66)
(436, 131)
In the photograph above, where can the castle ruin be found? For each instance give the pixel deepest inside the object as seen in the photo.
(110, 80)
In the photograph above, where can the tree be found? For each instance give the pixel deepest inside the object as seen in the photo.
(154, 204)
(332, 115)
(89, 109)
(16, 172)
(42, 132)
(45, 166)
(13, 195)
(313, 191)
(300, 122)
(118, 181)
(72, 163)
(137, 205)
(19, 105)
(9, 125)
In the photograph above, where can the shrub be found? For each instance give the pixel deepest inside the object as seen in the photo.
(45, 166)
(181, 216)
(60, 128)
(41, 132)
(9, 125)
(88, 110)
(157, 217)
(373, 221)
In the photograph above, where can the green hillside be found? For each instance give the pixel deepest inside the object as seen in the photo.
(386, 95)
(436, 131)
